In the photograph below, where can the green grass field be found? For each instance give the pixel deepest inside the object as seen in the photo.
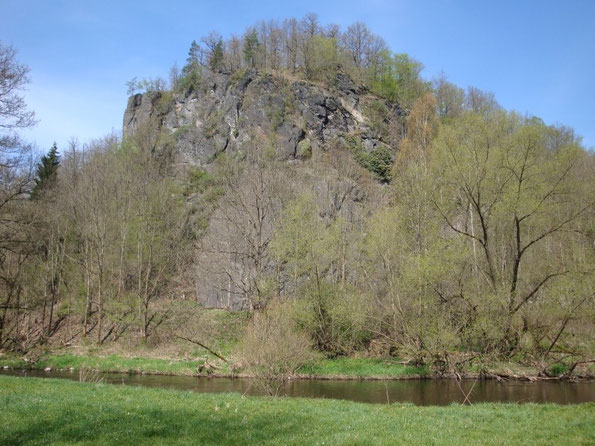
(48, 411)
(361, 368)
(111, 363)
(339, 367)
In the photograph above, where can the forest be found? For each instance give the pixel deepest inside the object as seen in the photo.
(464, 236)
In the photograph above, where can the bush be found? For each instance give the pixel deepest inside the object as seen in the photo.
(333, 316)
(379, 161)
(273, 348)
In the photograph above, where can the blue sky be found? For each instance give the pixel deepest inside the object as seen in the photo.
(538, 57)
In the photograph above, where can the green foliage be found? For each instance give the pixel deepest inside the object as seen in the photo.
(189, 82)
(199, 180)
(46, 172)
(325, 60)
(304, 149)
(360, 368)
(191, 76)
(558, 369)
(334, 317)
(251, 48)
(237, 75)
(165, 102)
(377, 113)
(497, 173)
(192, 61)
(379, 161)
(276, 115)
(216, 59)
(399, 79)
(331, 313)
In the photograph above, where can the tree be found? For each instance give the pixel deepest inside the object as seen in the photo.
(313, 253)
(234, 258)
(216, 59)
(214, 49)
(363, 49)
(516, 203)
(399, 78)
(251, 48)
(481, 102)
(422, 126)
(450, 99)
(13, 111)
(274, 347)
(15, 178)
(46, 172)
(193, 59)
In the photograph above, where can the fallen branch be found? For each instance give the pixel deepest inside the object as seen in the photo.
(573, 366)
(203, 346)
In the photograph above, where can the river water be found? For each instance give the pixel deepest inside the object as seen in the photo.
(421, 392)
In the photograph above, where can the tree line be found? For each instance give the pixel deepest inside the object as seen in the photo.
(478, 242)
(303, 48)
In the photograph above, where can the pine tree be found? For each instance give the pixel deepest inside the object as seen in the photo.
(192, 61)
(46, 172)
(251, 45)
(216, 59)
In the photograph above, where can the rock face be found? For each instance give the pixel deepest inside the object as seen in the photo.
(228, 112)
(299, 121)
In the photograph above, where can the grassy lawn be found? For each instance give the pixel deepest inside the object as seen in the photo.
(48, 411)
(361, 368)
(340, 367)
(112, 363)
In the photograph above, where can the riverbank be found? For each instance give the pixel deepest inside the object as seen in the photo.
(59, 411)
(339, 368)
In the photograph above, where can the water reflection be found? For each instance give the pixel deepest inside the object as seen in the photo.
(419, 392)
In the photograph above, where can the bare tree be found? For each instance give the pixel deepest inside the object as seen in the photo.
(357, 40)
(16, 174)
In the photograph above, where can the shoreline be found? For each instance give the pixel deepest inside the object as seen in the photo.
(500, 377)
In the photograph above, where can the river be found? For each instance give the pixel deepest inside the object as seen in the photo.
(421, 392)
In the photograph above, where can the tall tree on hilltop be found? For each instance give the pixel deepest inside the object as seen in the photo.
(251, 46)
(46, 172)
(216, 59)
(193, 59)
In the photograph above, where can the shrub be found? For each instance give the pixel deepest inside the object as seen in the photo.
(379, 161)
(273, 348)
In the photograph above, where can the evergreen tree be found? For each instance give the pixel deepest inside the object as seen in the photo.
(46, 172)
(192, 61)
(216, 59)
(251, 45)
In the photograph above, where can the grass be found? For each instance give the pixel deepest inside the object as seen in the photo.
(338, 368)
(361, 368)
(48, 411)
(111, 363)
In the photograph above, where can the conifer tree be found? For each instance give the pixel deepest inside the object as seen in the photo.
(216, 59)
(251, 45)
(192, 61)
(46, 172)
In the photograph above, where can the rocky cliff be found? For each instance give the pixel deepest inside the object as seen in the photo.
(228, 110)
(319, 136)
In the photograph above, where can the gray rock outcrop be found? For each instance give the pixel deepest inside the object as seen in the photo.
(229, 112)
